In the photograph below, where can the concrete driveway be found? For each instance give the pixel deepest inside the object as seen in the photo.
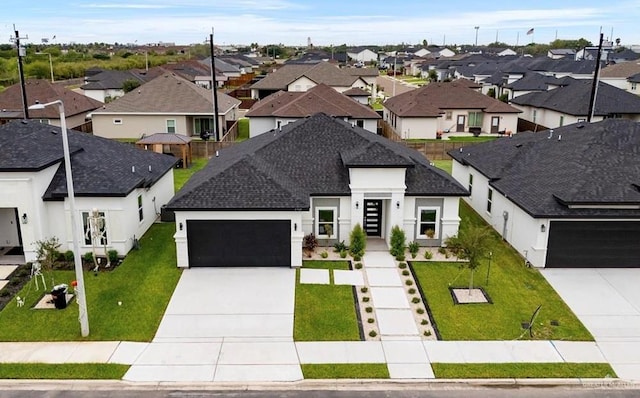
(224, 324)
(607, 301)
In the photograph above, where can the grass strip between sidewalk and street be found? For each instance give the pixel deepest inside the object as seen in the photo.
(515, 291)
(126, 303)
(67, 371)
(522, 370)
(324, 312)
(345, 371)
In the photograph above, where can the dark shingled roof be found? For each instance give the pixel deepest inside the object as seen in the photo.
(320, 98)
(111, 79)
(580, 164)
(573, 99)
(321, 72)
(311, 157)
(100, 167)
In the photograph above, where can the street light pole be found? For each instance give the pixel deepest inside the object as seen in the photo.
(50, 64)
(476, 28)
(80, 294)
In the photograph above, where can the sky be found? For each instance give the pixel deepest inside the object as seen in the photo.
(325, 22)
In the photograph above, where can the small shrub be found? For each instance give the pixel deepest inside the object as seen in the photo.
(365, 299)
(442, 250)
(400, 257)
(415, 300)
(427, 333)
(324, 254)
(357, 258)
(68, 256)
(358, 265)
(420, 311)
(358, 242)
(369, 309)
(406, 272)
(340, 247)
(4, 293)
(373, 333)
(414, 248)
(310, 243)
(428, 255)
(412, 291)
(364, 289)
(88, 257)
(424, 322)
(402, 265)
(343, 254)
(371, 320)
(113, 256)
(447, 254)
(398, 242)
(408, 282)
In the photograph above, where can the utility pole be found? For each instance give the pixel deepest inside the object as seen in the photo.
(213, 89)
(21, 53)
(594, 87)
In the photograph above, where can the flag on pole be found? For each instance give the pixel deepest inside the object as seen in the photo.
(530, 31)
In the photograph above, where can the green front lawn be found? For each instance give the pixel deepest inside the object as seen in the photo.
(521, 370)
(516, 291)
(143, 284)
(325, 312)
(345, 371)
(67, 371)
(181, 176)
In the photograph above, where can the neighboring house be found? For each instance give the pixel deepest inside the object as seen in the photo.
(128, 187)
(369, 75)
(193, 71)
(166, 104)
(565, 199)
(558, 53)
(531, 82)
(359, 95)
(506, 52)
(454, 106)
(254, 202)
(76, 106)
(570, 104)
(107, 85)
(624, 55)
(362, 54)
(302, 77)
(619, 75)
(283, 107)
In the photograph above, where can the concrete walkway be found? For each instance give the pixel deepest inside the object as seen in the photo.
(607, 301)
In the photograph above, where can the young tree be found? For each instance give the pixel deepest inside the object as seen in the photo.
(473, 244)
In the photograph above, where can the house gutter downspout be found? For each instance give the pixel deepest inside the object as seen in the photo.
(596, 78)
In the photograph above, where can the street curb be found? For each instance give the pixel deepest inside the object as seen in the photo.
(308, 385)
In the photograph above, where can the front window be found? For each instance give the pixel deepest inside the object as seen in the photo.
(326, 220)
(561, 121)
(448, 115)
(489, 200)
(470, 183)
(94, 225)
(475, 119)
(360, 123)
(428, 222)
(634, 86)
(535, 115)
(140, 212)
(201, 124)
(171, 126)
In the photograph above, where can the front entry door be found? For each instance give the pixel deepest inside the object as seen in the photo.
(460, 122)
(373, 217)
(495, 124)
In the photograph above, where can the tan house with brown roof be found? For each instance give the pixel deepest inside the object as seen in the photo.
(622, 75)
(166, 104)
(302, 77)
(76, 106)
(285, 107)
(448, 107)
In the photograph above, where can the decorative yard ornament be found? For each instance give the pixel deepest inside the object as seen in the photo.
(36, 271)
(98, 236)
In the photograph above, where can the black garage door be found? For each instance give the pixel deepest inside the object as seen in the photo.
(239, 243)
(594, 244)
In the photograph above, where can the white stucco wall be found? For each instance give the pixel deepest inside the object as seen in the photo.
(302, 83)
(522, 231)
(297, 232)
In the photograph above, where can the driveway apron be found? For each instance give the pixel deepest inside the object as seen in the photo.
(607, 301)
(225, 324)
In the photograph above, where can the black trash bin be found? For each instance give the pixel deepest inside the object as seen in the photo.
(59, 295)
